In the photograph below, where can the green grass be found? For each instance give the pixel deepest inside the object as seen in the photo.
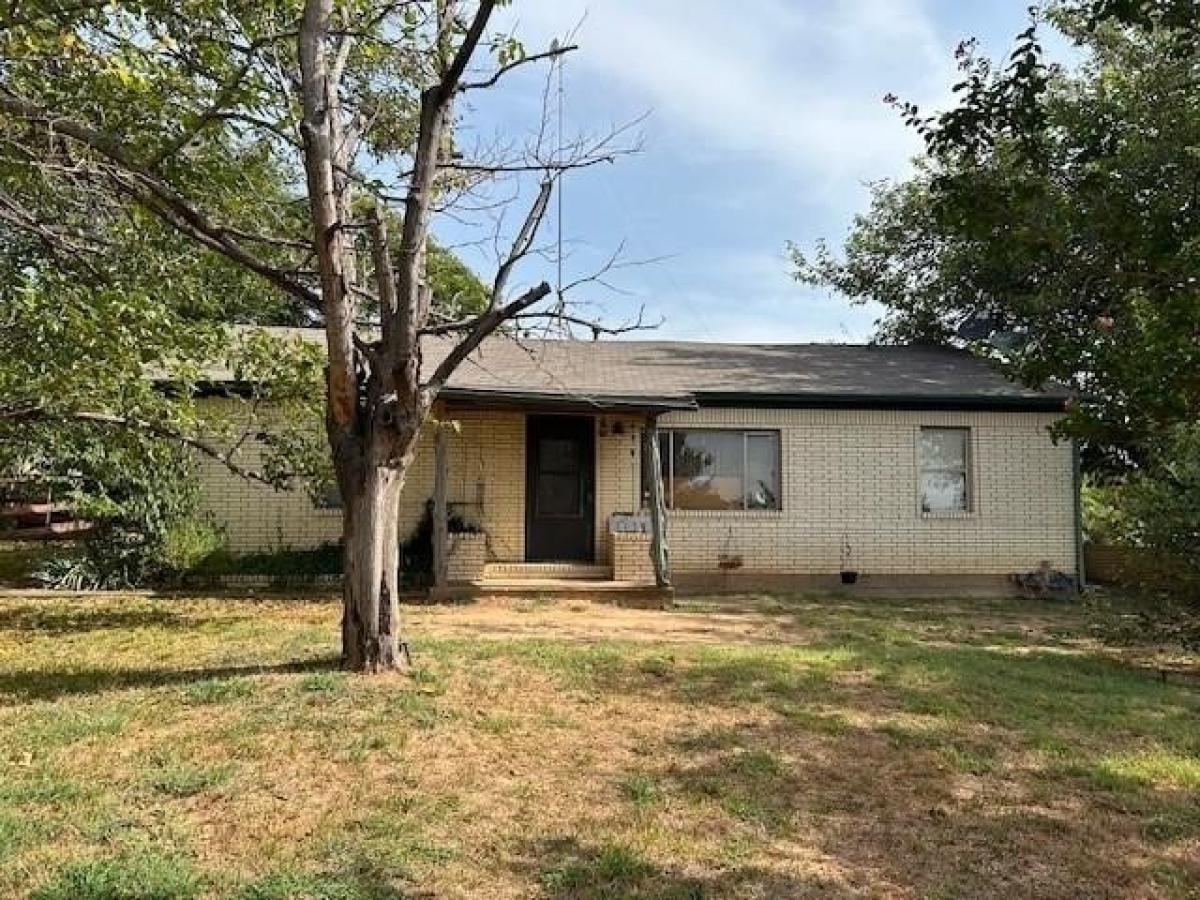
(610, 871)
(167, 749)
(139, 877)
(1152, 767)
(176, 779)
(641, 790)
(298, 885)
(41, 787)
(218, 690)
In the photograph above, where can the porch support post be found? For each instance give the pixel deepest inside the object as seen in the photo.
(652, 462)
(441, 475)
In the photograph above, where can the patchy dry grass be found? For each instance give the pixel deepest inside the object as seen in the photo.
(177, 748)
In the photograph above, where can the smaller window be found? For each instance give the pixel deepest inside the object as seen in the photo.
(945, 470)
(327, 496)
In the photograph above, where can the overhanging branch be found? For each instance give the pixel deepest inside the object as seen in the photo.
(154, 429)
(156, 195)
(490, 81)
(484, 325)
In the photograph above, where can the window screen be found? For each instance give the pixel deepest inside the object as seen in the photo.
(945, 470)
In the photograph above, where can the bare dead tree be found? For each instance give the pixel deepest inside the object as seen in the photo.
(308, 102)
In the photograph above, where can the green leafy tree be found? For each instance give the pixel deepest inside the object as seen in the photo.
(305, 143)
(1054, 220)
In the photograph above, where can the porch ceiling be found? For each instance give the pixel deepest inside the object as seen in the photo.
(591, 403)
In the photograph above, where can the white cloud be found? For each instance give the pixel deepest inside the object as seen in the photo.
(740, 295)
(796, 86)
(766, 119)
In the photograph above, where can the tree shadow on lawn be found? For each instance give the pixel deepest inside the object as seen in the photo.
(1039, 693)
(66, 619)
(952, 769)
(566, 868)
(48, 684)
(900, 818)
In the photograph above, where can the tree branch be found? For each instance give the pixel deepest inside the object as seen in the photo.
(484, 326)
(451, 78)
(320, 130)
(524, 240)
(552, 53)
(154, 429)
(155, 194)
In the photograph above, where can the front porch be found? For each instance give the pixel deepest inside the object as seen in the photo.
(565, 581)
(528, 501)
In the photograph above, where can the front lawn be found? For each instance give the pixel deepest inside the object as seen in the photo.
(167, 748)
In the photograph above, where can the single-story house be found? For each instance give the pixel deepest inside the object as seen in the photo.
(781, 465)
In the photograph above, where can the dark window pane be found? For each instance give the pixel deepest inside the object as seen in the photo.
(707, 470)
(558, 494)
(558, 455)
(762, 471)
(664, 459)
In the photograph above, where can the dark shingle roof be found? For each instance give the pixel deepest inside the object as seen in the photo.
(669, 374)
(845, 374)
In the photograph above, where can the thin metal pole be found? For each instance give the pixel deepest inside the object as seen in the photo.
(561, 177)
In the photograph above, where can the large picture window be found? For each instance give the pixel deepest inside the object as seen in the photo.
(716, 470)
(945, 459)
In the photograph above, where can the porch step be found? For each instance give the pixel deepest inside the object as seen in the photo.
(527, 572)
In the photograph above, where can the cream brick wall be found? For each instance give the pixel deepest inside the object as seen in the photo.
(467, 557)
(853, 474)
(486, 485)
(846, 473)
(618, 478)
(254, 516)
(631, 558)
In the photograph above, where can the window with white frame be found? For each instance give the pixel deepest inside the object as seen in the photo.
(945, 470)
(723, 469)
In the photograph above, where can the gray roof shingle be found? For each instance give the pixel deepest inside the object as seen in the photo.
(682, 373)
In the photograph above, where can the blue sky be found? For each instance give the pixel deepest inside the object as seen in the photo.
(764, 123)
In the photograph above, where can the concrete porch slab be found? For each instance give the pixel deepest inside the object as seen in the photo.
(619, 593)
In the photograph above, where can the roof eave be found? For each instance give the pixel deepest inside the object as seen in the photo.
(503, 398)
(963, 403)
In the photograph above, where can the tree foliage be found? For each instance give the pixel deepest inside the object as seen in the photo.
(1055, 219)
(97, 289)
(308, 144)
(1054, 223)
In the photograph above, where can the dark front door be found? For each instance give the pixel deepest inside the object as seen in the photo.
(559, 488)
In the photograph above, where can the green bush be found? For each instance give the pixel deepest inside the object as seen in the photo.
(1155, 513)
(187, 543)
(323, 560)
(416, 556)
(122, 555)
(1104, 519)
(142, 496)
(416, 553)
(1163, 502)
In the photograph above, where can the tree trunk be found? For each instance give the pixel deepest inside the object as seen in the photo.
(370, 589)
(441, 517)
(652, 466)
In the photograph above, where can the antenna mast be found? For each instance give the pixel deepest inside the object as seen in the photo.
(561, 172)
